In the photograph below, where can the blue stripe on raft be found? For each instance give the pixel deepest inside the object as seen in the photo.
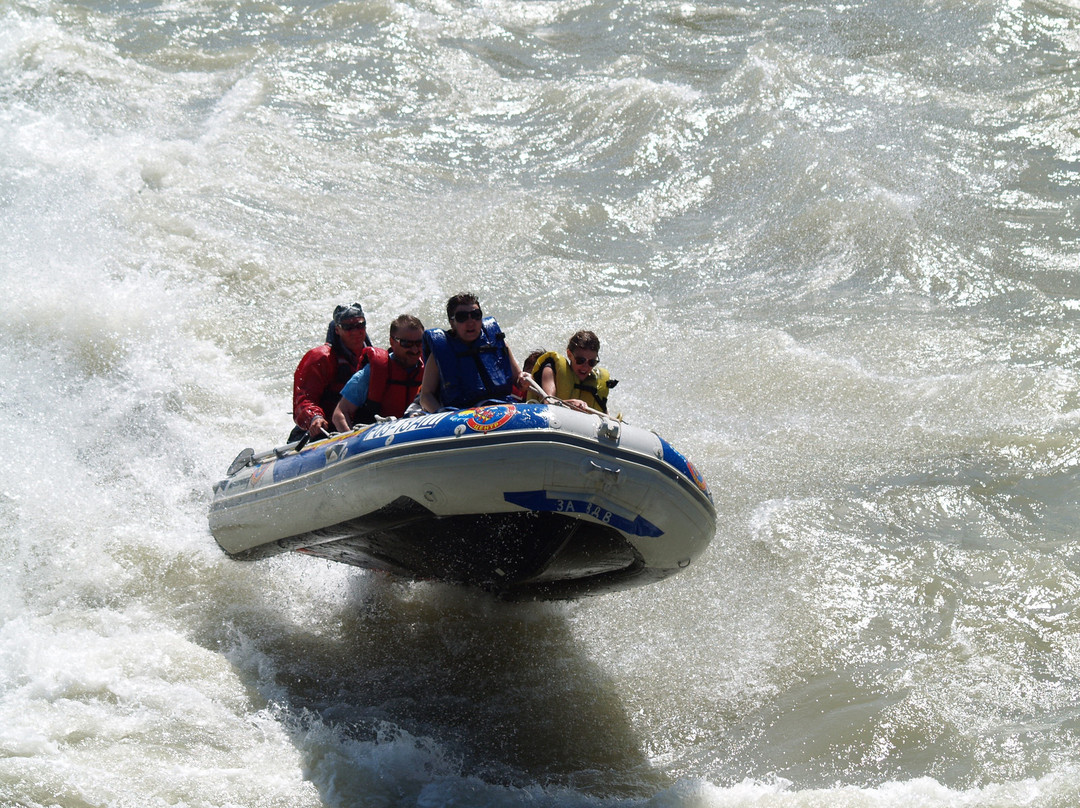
(540, 501)
(678, 461)
(286, 468)
(475, 420)
(491, 418)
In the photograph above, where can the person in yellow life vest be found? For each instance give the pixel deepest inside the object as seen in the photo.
(576, 378)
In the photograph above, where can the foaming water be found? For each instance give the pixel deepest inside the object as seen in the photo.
(830, 252)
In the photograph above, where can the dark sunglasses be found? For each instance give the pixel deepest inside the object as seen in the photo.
(465, 316)
(581, 360)
(353, 325)
(409, 343)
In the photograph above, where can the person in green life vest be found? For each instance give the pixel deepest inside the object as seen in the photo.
(576, 378)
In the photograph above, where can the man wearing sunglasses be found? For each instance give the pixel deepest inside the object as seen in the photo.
(388, 381)
(323, 371)
(469, 363)
(577, 377)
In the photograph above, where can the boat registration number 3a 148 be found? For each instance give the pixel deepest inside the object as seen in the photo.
(540, 501)
(587, 508)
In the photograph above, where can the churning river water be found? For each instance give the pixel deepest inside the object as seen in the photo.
(831, 251)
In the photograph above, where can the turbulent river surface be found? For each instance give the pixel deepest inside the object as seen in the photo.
(831, 251)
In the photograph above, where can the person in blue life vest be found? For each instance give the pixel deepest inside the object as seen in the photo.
(388, 381)
(469, 363)
(323, 371)
(576, 378)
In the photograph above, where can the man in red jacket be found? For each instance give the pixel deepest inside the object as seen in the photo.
(324, 370)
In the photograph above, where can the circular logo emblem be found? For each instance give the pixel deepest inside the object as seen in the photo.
(485, 419)
(695, 475)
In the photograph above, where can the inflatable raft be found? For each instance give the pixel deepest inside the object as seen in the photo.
(528, 501)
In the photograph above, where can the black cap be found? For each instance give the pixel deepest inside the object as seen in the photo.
(345, 313)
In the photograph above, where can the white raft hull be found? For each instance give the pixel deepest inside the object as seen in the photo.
(527, 501)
